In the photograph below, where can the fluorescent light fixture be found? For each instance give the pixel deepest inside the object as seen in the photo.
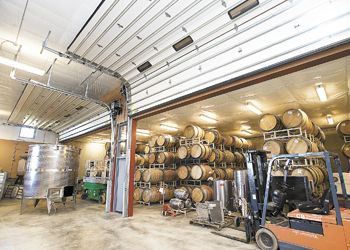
(245, 127)
(208, 119)
(183, 43)
(21, 66)
(321, 92)
(330, 120)
(144, 66)
(168, 127)
(247, 132)
(143, 132)
(253, 108)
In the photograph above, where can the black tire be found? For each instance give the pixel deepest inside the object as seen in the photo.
(237, 221)
(84, 196)
(102, 199)
(266, 240)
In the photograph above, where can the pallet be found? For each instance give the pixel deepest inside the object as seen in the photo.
(215, 225)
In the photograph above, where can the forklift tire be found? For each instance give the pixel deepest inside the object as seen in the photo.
(266, 240)
(102, 199)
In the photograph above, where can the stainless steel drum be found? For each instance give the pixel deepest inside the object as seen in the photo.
(223, 193)
(49, 166)
(241, 185)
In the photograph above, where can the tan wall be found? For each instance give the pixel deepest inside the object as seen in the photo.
(10, 152)
(89, 151)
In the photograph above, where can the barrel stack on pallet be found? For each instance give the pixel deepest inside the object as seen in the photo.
(295, 133)
(205, 155)
(155, 181)
(343, 129)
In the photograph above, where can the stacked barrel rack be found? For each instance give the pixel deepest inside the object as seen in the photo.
(295, 133)
(198, 157)
(343, 129)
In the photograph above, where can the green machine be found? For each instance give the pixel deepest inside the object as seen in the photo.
(95, 180)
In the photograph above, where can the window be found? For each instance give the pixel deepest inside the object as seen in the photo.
(28, 133)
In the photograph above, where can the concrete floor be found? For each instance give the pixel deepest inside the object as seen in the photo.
(89, 227)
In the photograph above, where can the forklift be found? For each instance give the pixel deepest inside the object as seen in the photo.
(314, 224)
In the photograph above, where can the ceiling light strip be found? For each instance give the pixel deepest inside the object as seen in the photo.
(321, 92)
(21, 66)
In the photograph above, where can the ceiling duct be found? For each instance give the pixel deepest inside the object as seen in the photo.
(243, 7)
(183, 43)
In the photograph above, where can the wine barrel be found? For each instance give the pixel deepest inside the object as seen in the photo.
(183, 172)
(137, 195)
(274, 147)
(140, 148)
(151, 195)
(193, 131)
(181, 193)
(245, 143)
(200, 151)
(219, 174)
(298, 145)
(169, 175)
(165, 157)
(239, 157)
(152, 158)
(188, 189)
(138, 175)
(184, 152)
(343, 128)
(216, 156)
(213, 136)
(177, 204)
(229, 156)
(277, 172)
(227, 141)
(152, 175)
(293, 118)
(269, 122)
(168, 193)
(167, 141)
(237, 142)
(229, 173)
(313, 173)
(346, 150)
(153, 142)
(139, 160)
(201, 172)
(320, 146)
(202, 193)
(147, 149)
(250, 144)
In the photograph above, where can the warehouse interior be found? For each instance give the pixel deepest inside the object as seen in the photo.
(174, 124)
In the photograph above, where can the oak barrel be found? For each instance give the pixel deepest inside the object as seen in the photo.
(293, 118)
(201, 172)
(237, 142)
(151, 195)
(219, 174)
(229, 173)
(184, 152)
(274, 147)
(169, 175)
(152, 175)
(152, 157)
(140, 148)
(298, 145)
(343, 128)
(153, 142)
(213, 136)
(139, 160)
(239, 157)
(269, 122)
(181, 193)
(168, 193)
(228, 141)
(245, 143)
(216, 156)
(183, 172)
(229, 156)
(147, 149)
(137, 194)
(200, 151)
(138, 175)
(167, 141)
(193, 131)
(346, 150)
(165, 157)
(202, 193)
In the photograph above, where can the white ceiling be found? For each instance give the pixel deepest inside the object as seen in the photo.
(64, 19)
(296, 90)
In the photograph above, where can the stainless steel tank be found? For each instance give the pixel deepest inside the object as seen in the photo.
(241, 185)
(49, 166)
(223, 193)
